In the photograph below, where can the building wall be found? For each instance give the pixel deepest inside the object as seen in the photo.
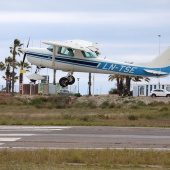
(49, 88)
(145, 89)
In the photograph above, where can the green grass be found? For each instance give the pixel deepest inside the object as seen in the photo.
(86, 159)
(155, 116)
(60, 110)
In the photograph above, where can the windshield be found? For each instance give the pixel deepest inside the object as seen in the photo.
(50, 48)
(89, 54)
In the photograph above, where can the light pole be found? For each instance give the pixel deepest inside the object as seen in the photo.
(159, 42)
(159, 53)
(78, 83)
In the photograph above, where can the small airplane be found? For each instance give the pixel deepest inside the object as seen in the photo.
(80, 56)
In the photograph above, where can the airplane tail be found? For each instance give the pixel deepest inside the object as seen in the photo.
(162, 60)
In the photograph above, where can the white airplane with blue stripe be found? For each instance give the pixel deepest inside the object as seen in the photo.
(80, 56)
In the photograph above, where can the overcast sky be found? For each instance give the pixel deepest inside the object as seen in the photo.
(125, 30)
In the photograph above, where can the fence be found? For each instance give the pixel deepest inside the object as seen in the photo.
(3, 88)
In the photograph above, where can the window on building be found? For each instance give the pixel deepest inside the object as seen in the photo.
(142, 90)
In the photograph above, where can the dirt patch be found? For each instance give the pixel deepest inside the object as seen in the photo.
(127, 100)
(97, 100)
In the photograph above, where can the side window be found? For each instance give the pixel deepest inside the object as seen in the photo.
(66, 51)
(88, 54)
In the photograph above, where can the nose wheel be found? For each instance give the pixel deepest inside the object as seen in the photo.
(65, 81)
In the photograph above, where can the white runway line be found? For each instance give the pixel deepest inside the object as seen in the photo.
(16, 135)
(2, 143)
(34, 127)
(9, 139)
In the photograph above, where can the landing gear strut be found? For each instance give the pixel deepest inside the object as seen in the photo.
(68, 80)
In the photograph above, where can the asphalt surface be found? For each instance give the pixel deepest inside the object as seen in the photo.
(83, 137)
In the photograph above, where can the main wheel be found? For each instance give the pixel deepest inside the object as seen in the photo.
(64, 82)
(71, 80)
(153, 95)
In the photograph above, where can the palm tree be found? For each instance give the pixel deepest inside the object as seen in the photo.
(140, 78)
(14, 50)
(25, 67)
(119, 81)
(8, 74)
(2, 66)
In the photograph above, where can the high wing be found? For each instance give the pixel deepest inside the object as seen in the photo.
(75, 44)
(158, 73)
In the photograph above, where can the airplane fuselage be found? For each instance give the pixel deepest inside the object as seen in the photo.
(78, 63)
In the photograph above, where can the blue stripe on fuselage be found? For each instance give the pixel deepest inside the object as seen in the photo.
(119, 68)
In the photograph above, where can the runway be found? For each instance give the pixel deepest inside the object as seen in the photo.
(83, 137)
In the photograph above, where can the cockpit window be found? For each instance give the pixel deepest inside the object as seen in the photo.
(66, 51)
(50, 48)
(88, 54)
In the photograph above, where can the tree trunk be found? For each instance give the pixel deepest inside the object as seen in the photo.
(13, 70)
(119, 85)
(54, 77)
(128, 79)
(89, 84)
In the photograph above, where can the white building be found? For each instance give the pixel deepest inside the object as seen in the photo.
(145, 89)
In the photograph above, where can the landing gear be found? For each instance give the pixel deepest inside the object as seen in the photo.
(68, 80)
(64, 82)
(71, 79)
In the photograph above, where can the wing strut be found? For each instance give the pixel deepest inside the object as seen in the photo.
(53, 56)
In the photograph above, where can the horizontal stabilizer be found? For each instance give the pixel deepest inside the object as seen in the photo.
(156, 72)
(35, 76)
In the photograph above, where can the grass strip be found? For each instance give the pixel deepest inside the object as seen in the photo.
(107, 158)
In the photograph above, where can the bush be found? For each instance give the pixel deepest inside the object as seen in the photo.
(77, 95)
(163, 109)
(132, 117)
(105, 104)
(113, 91)
(141, 103)
(51, 102)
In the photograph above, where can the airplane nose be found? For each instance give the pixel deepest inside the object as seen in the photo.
(23, 50)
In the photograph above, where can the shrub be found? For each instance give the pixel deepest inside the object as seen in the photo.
(135, 107)
(163, 109)
(77, 95)
(132, 117)
(104, 104)
(91, 104)
(112, 105)
(113, 91)
(141, 103)
(155, 103)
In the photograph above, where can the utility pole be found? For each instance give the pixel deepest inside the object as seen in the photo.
(159, 54)
(159, 43)
(78, 83)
